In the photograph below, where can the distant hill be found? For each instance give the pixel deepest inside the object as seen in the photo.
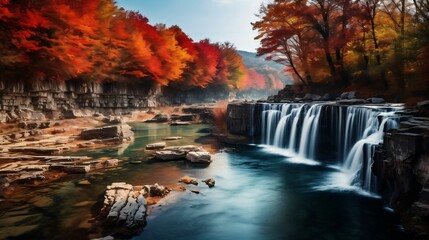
(265, 67)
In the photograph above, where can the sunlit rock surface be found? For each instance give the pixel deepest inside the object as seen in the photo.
(120, 133)
(176, 152)
(199, 157)
(125, 206)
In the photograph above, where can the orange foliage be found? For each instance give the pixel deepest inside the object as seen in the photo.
(95, 40)
(253, 80)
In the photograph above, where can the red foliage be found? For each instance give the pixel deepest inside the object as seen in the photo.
(96, 41)
(253, 80)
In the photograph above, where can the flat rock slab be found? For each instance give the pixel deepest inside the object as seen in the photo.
(199, 157)
(179, 123)
(38, 150)
(20, 166)
(176, 152)
(159, 118)
(169, 155)
(172, 138)
(156, 146)
(71, 168)
(121, 133)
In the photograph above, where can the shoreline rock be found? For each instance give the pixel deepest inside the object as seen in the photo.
(199, 157)
(188, 180)
(156, 146)
(210, 182)
(176, 152)
(120, 133)
(125, 206)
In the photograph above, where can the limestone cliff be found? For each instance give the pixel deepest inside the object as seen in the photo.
(19, 100)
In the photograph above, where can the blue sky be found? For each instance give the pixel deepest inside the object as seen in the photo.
(218, 20)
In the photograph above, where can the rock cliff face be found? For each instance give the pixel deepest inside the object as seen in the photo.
(240, 119)
(19, 99)
(401, 164)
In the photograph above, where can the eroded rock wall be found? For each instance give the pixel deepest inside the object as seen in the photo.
(54, 98)
(401, 165)
(240, 119)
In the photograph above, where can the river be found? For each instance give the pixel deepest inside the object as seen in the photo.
(260, 193)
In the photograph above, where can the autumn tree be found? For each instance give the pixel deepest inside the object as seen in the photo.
(283, 35)
(96, 41)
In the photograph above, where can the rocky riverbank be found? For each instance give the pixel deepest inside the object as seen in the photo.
(36, 150)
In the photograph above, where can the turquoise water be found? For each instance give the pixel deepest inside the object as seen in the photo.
(259, 194)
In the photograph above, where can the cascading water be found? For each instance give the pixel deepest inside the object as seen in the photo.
(309, 130)
(359, 160)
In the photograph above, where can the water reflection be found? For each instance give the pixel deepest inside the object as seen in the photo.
(258, 195)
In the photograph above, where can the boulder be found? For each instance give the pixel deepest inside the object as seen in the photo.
(375, 100)
(183, 117)
(72, 113)
(121, 132)
(44, 125)
(423, 108)
(35, 132)
(31, 177)
(176, 152)
(326, 97)
(199, 157)
(156, 146)
(111, 163)
(156, 190)
(125, 206)
(113, 120)
(17, 135)
(22, 125)
(188, 180)
(351, 101)
(159, 118)
(349, 95)
(312, 97)
(210, 182)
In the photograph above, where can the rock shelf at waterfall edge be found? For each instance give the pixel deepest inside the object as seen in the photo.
(382, 148)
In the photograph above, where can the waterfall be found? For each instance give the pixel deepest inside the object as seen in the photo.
(359, 160)
(349, 133)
